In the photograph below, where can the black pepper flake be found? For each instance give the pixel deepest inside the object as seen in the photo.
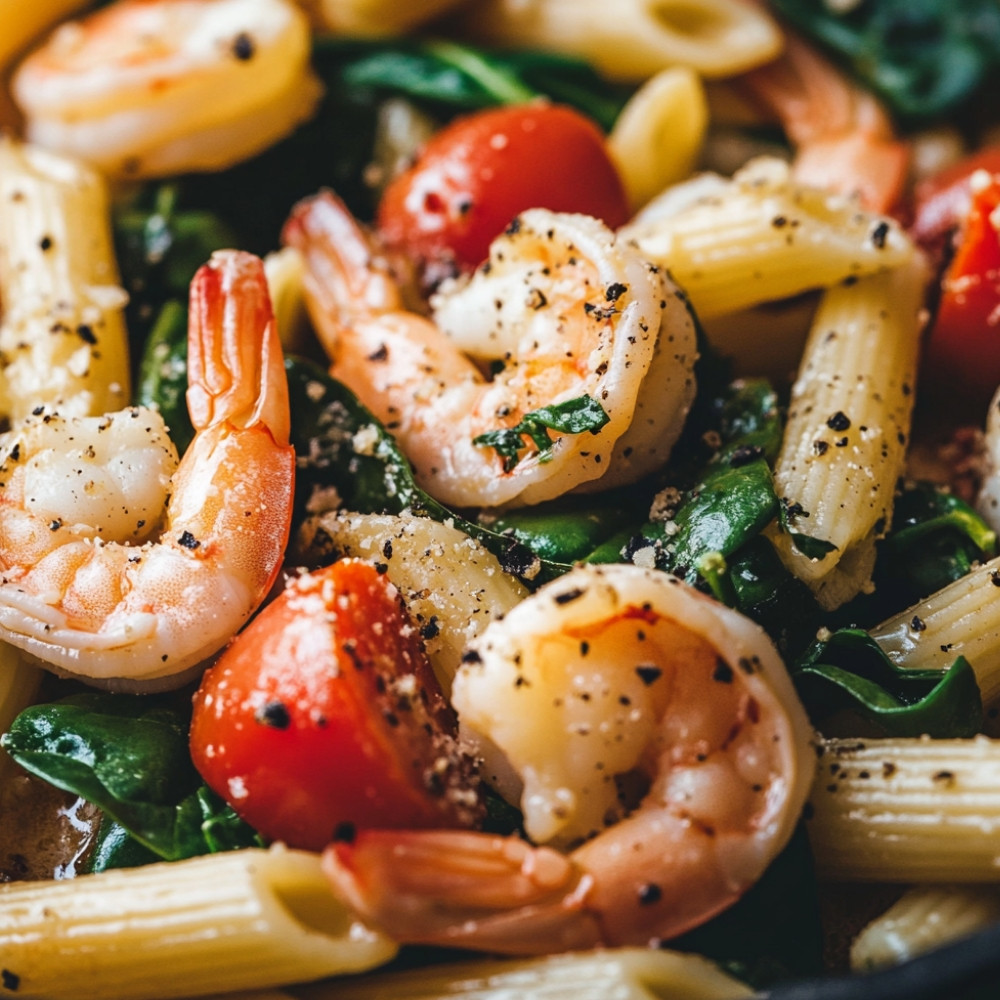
(745, 454)
(888, 769)
(344, 833)
(10, 980)
(430, 629)
(820, 447)
(839, 421)
(45, 244)
(615, 291)
(944, 777)
(649, 894)
(995, 578)
(723, 672)
(568, 596)
(243, 47)
(471, 656)
(86, 333)
(879, 233)
(55, 524)
(648, 673)
(273, 714)
(381, 354)
(188, 541)
(514, 228)
(917, 624)
(350, 649)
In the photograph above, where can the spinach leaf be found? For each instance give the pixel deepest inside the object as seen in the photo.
(731, 501)
(849, 669)
(574, 416)
(162, 382)
(450, 76)
(129, 757)
(923, 57)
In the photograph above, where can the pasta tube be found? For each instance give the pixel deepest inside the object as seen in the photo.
(622, 973)
(761, 237)
(907, 810)
(634, 39)
(962, 619)
(658, 134)
(921, 920)
(374, 17)
(243, 920)
(63, 333)
(453, 587)
(848, 423)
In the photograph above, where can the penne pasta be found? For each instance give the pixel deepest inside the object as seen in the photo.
(762, 237)
(248, 919)
(922, 919)
(373, 17)
(907, 810)
(63, 332)
(452, 586)
(658, 135)
(848, 424)
(962, 619)
(716, 38)
(622, 973)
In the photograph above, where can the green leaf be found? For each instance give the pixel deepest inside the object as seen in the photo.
(163, 377)
(129, 757)
(849, 669)
(923, 57)
(574, 416)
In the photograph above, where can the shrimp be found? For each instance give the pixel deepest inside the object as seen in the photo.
(845, 140)
(148, 88)
(568, 313)
(664, 760)
(118, 565)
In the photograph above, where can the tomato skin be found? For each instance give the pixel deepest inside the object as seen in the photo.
(963, 350)
(475, 175)
(315, 720)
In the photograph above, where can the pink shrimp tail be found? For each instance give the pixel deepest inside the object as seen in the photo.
(845, 139)
(235, 367)
(466, 890)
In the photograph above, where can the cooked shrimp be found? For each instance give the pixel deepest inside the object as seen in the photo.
(119, 568)
(145, 88)
(663, 755)
(844, 139)
(568, 314)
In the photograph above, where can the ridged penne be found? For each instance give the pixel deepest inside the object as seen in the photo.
(245, 920)
(761, 237)
(907, 810)
(63, 333)
(634, 39)
(962, 619)
(24, 22)
(622, 973)
(453, 587)
(658, 135)
(922, 919)
(844, 444)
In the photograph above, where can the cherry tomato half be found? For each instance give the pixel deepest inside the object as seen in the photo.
(324, 716)
(963, 350)
(475, 175)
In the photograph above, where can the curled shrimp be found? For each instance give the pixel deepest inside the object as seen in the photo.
(664, 760)
(147, 88)
(845, 141)
(564, 310)
(120, 566)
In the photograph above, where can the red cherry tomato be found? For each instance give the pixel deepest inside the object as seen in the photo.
(324, 716)
(475, 175)
(963, 350)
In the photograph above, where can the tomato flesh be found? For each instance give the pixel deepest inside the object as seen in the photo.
(324, 716)
(963, 351)
(475, 175)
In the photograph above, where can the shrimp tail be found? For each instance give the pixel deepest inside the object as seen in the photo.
(457, 888)
(235, 368)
